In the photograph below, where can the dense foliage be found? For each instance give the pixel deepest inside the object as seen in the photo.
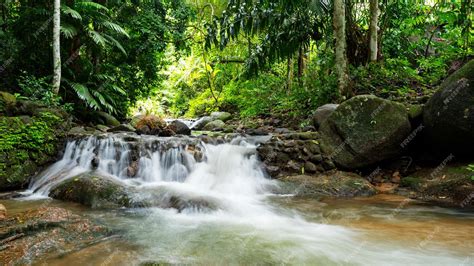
(252, 57)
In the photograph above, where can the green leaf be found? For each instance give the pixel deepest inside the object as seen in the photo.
(68, 31)
(115, 27)
(71, 12)
(84, 94)
(97, 38)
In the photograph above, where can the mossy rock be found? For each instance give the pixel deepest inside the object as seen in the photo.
(223, 116)
(216, 125)
(334, 184)
(7, 101)
(411, 182)
(93, 191)
(106, 119)
(27, 144)
(364, 130)
(449, 114)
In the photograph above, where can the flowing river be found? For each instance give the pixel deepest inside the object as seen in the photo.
(249, 222)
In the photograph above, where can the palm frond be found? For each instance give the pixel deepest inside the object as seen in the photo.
(71, 12)
(115, 27)
(115, 43)
(68, 31)
(87, 4)
(97, 38)
(84, 94)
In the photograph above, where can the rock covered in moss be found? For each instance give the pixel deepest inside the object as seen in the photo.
(365, 130)
(216, 125)
(93, 191)
(122, 128)
(7, 101)
(449, 114)
(105, 119)
(223, 116)
(27, 144)
(335, 184)
(322, 113)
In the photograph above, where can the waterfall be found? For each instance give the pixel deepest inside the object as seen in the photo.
(229, 167)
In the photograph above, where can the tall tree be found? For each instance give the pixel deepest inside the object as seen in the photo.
(373, 35)
(56, 46)
(339, 25)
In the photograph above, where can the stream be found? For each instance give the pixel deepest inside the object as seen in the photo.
(250, 223)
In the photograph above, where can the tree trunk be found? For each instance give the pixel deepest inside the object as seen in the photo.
(339, 24)
(373, 28)
(289, 74)
(56, 46)
(301, 61)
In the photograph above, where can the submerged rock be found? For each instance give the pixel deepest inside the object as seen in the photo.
(33, 234)
(365, 130)
(449, 114)
(336, 184)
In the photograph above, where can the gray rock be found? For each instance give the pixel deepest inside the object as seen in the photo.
(77, 131)
(223, 116)
(364, 130)
(180, 128)
(216, 125)
(201, 122)
(122, 128)
(336, 184)
(449, 114)
(322, 113)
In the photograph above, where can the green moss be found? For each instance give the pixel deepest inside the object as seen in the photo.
(411, 182)
(25, 144)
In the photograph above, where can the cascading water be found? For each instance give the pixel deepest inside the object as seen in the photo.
(245, 229)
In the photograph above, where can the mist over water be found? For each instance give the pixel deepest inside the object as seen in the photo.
(246, 228)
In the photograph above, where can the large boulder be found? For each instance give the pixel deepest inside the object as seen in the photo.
(223, 116)
(449, 114)
(216, 125)
(322, 113)
(180, 128)
(364, 130)
(93, 191)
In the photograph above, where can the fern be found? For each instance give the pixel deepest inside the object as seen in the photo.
(68, 31)
(84, 94)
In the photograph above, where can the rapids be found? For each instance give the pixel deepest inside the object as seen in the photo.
(253, 225)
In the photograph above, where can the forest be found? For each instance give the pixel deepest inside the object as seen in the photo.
(236, 132)
(188, 58)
